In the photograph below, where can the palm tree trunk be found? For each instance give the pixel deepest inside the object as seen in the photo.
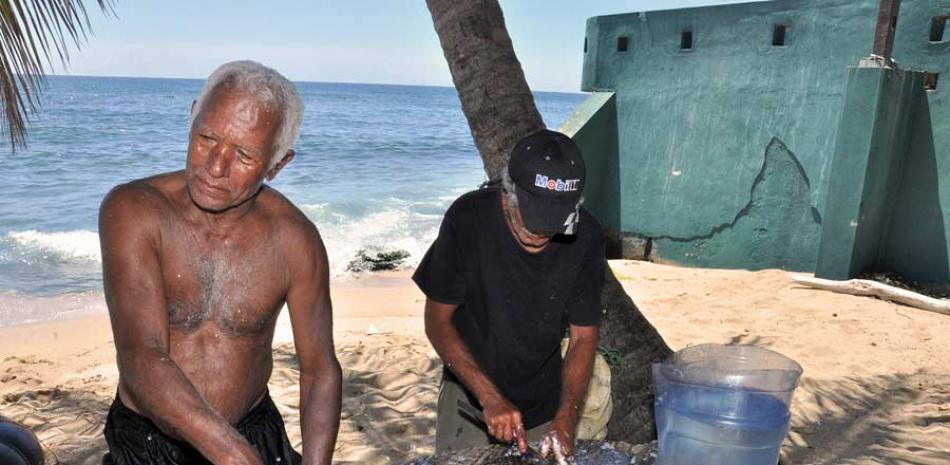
(500, 110)
(625, 330)
(495, 96)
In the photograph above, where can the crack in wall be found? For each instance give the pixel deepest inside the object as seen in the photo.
(774, 144)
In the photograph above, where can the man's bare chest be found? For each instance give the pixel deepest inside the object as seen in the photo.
(239, 289)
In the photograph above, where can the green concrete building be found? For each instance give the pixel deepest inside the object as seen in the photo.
(752, 136)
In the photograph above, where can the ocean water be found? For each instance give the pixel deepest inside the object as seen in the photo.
(376, 165)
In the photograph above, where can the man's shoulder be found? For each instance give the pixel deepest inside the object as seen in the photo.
(140, 195)
(472, 202)
(293, 225)
(136, 209)
(589, 223)
(590, 233)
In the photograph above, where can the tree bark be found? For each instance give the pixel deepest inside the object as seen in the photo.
(495, 97)
(625, 330)
(500, 110)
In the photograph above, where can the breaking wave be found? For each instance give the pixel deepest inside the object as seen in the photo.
(410, 228)
(71, 260)
(54, 247)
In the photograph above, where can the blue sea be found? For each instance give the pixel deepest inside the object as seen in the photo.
(376, 165)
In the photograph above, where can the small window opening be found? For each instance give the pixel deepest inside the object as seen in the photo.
(622, 43)
(937, 28)
(930, 81)
(686, 41)
(585, 44)
(778, 35)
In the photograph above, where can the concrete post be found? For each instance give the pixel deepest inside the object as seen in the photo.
(872, 145)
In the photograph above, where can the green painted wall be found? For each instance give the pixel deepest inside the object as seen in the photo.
(916, 242)
(874, 141)
(725, 150)
(593, 127)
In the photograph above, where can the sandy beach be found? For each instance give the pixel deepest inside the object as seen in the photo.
(876, 388)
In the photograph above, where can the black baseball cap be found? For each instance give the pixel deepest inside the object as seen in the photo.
(548, 172)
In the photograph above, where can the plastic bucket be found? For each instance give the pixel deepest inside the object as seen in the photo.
(723, 405)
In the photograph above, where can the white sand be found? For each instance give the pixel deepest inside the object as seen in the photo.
(876, 387)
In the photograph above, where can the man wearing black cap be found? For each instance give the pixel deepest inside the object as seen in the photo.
(513, 267)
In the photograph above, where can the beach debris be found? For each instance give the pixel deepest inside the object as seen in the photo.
(935, 290)
(864, 287)
(585, 453)
(372, 330)
(377, 259)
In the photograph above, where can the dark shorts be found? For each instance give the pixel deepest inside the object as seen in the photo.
(135, 440)
(454, 430)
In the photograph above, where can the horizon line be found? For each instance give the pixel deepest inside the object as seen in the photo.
(296, 81)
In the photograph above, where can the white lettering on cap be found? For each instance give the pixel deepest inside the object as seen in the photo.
(559, 185)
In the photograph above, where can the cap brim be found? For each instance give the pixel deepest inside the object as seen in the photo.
(547, 215)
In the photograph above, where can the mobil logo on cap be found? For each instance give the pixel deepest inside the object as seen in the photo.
(559, 185)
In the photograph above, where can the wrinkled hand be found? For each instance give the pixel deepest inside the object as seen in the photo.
(558, 441)
(504, 422)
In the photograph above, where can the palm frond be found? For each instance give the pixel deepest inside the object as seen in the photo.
(34, 34)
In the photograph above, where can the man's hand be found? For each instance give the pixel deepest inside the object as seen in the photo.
(504, 421)
(559, 441)
(578, 366)
(503, 418)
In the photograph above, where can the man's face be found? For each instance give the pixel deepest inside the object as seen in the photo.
(230, 149)
(529, 240)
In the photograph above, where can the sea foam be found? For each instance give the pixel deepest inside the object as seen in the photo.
(344, 235)
(393, 228)
(65, 246)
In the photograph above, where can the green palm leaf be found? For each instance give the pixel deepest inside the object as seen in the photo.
(34, 34)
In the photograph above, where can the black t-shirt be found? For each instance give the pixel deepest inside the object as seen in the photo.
(514, 305)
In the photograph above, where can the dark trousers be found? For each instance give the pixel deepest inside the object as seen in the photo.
(454, 431)
(135, 440)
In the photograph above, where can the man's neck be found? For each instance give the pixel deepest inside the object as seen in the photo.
(221, 222)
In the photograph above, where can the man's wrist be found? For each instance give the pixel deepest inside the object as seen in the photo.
(481, 387)
(568, 416)
(487, 395)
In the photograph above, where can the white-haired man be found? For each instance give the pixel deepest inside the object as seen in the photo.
(512, 269)
(197, 264)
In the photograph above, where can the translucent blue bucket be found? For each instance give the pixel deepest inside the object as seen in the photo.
(723, 405)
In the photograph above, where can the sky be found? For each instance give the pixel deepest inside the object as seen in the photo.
(364, 41)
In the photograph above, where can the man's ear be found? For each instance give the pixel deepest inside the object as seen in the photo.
(272, 173)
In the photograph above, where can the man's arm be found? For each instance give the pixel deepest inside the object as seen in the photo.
(503, 418)
(135, 297)
(311, 316)
(575, 378)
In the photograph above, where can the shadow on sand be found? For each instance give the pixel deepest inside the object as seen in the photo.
(887, 420)
(390, 392)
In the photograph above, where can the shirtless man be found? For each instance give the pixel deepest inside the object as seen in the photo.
(197, 265)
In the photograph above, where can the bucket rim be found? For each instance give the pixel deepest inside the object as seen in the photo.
(726, 378)
(794, 365)
(724, 387)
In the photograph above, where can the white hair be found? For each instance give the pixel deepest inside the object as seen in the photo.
(508, 185)
(270, 88)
